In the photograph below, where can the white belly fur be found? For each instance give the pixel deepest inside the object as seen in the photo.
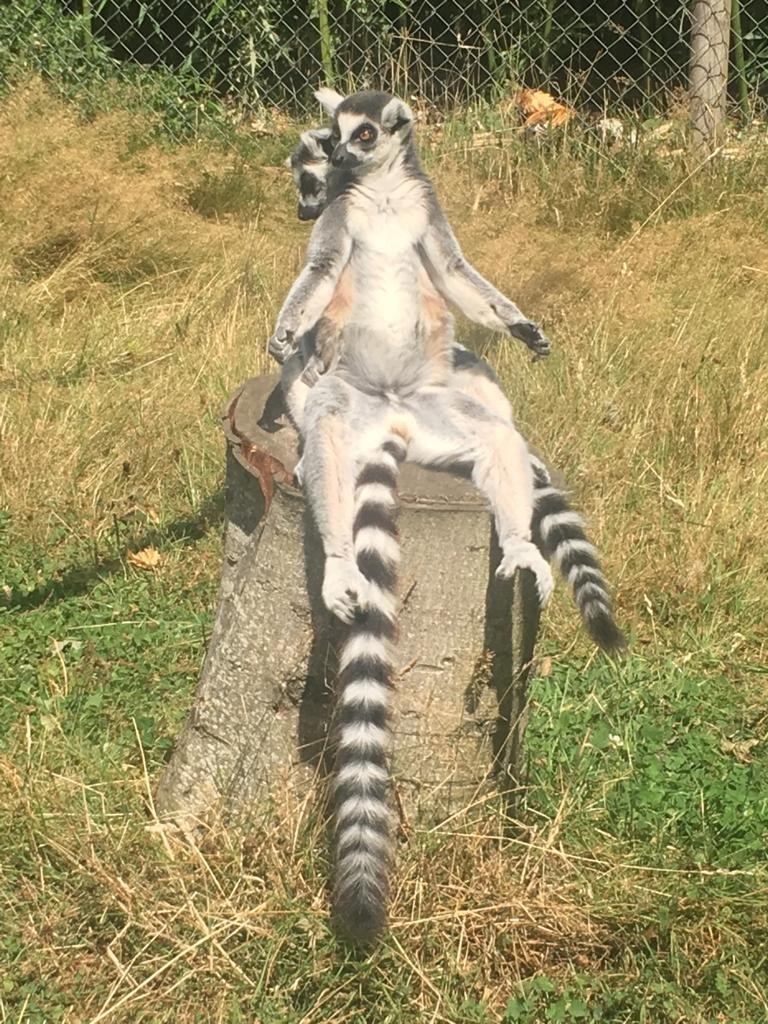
(386, 229)
(384, 338)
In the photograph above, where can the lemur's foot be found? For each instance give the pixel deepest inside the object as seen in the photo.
(344, 588)
(522, 554)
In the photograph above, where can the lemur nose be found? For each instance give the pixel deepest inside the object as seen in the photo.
(338, 155)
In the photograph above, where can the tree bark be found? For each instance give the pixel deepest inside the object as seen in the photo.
(710, 34)
(257, 736)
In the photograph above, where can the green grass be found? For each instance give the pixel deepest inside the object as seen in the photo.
(138, 284)
(636, 890)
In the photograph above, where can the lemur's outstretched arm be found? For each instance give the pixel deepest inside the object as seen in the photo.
(459, 283)
(327, 255)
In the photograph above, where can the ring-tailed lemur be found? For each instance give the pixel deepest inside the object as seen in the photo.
(455, 279)
(390, 395)
(556, 528)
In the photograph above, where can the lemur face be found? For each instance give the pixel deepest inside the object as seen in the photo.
(369, 131)
(309, 165)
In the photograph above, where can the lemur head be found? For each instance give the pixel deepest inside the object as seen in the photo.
(370, 129)
(309, 165)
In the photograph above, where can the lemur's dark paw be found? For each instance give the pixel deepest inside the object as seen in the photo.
(313, 371)
(532, 336)
(281, 345)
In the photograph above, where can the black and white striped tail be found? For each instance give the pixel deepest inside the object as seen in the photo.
(558, 531)
(363, 828)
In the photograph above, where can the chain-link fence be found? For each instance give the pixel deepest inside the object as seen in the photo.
(255, 55)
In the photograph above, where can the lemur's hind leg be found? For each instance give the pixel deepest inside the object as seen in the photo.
(342, 431)
(452, 427)
(473, 376)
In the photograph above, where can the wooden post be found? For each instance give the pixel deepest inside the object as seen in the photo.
(710, 33)
(256, 737)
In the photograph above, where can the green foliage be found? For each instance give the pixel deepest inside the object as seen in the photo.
(756, 47)
(666, 743)
(198, 67)
(584, 1000)
(37, 38)
(70, 611)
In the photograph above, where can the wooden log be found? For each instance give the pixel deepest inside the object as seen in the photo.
(257, 735)
(710, 35)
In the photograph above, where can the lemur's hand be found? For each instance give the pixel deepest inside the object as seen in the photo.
(314, 369)
(532, 336)
(282, 344)
(524, 330)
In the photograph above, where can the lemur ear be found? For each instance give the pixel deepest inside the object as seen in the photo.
(317, 142)
(328, 99)
(396, 115)
(288, 163)
(323, 140)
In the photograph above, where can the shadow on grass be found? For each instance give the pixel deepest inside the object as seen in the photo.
(79, 579)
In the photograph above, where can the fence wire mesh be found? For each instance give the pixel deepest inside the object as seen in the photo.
(627, 56)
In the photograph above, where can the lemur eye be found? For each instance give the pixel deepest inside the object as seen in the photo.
(365, 135)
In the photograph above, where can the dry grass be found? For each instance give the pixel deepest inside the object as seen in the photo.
(115, 924)
(138, 287)
(129, 316)
(234, 910)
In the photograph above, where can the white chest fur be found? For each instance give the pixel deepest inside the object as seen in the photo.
(388, 218)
